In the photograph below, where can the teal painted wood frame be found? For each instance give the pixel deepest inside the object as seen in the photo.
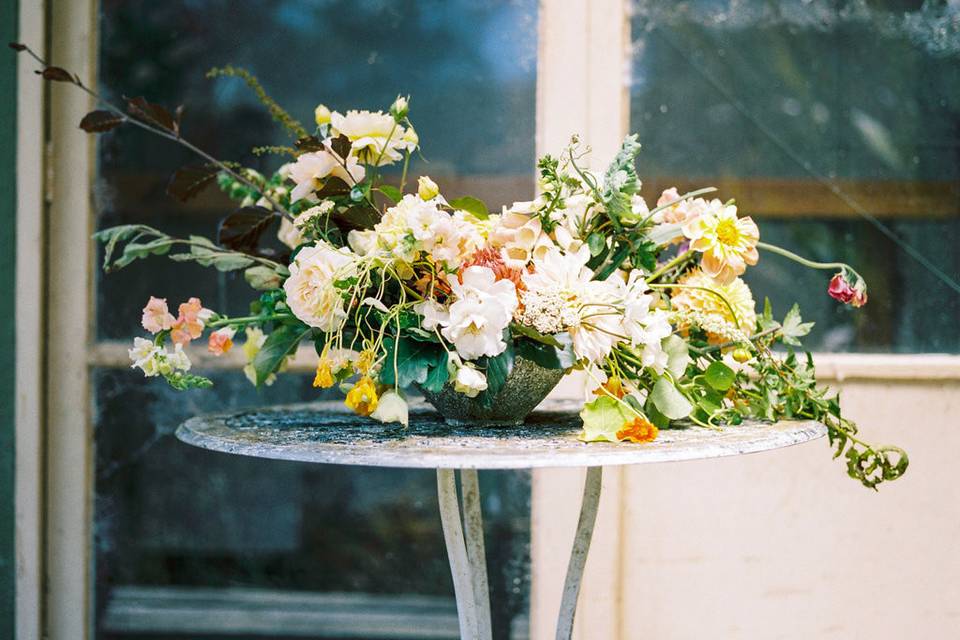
(8, 244)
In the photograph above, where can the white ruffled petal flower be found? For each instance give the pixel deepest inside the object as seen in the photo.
(469, 381)
(391, 407)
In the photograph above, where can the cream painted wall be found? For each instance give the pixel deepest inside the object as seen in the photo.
(775, 545)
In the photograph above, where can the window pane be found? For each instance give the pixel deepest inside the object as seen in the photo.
(818, 117)
(181, 531)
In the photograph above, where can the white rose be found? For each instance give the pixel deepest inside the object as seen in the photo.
(373, 134)
(391, 407)
(310, 289)
(469, 381)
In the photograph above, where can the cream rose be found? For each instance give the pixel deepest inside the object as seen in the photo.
(310, 289)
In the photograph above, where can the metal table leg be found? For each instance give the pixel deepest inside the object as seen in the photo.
(578, 555)
(468, 563)
(465, 550)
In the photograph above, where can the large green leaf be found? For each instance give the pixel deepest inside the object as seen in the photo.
(498, 370)
(549, 357)
(278, 345)
(471, 205)
(409, 361)
(678, 354)
(719, 376)
(668, 399)
(602, 419)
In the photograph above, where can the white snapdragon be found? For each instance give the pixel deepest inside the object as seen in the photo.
(154, 360)
(433, 314)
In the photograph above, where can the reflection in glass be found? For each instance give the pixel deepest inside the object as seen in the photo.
(182, 533)
(818, 117)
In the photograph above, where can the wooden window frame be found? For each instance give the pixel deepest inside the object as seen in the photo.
(583, 65)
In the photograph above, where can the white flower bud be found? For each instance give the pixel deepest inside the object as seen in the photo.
(400, 108)
(427, 189)
(321, 115)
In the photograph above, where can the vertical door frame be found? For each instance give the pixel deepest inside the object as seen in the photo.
(68, 557)
(30, 291)
(582, 88)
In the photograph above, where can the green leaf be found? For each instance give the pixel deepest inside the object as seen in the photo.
(719, 376)
(278, 345)
(391, 192)
(533, 334)
(668, 399)
(471, 205)
(409, 361)
(678, 354)
(437, 376)
(136, 250)
(602, 419)
(262, 278)
(766, 320)
(498, 370)
(547, 356)
(664, 232)
(597, 243)
(793, 327)
(659, 420)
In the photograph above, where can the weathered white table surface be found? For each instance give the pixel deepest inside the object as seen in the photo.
(329, 433)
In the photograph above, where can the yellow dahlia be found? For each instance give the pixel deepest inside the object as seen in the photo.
(728, 243)
(724, 311)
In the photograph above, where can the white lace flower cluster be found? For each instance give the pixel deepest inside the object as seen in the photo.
(716, 326)
(561, 295)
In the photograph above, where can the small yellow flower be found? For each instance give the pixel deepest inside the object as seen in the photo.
(728, 243)
(365, 361)
(324, 378)
(612, 387)
(362, 399)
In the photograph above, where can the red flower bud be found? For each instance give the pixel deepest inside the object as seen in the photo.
(841, 290)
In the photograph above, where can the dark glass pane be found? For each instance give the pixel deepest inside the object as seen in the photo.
(817, 117)
(469, 66)
(180, 531)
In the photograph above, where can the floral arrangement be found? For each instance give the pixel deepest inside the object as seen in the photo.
(398, 286)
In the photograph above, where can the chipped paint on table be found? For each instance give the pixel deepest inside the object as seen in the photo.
(328, 433)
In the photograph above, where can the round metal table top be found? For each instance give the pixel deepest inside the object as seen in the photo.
(328, 433)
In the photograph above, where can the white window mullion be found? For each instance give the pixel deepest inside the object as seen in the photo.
(583, 65)
(69, 459)
(29, 329)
